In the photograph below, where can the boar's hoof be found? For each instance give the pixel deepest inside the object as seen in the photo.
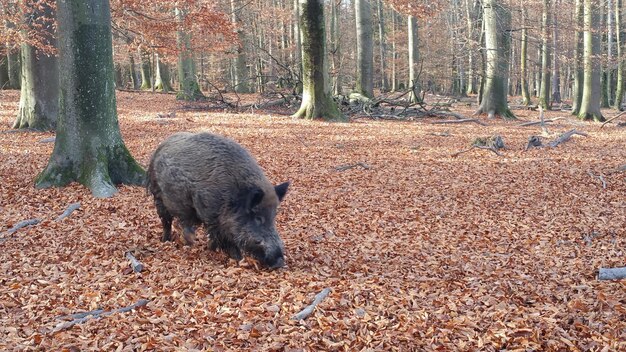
(189, 235)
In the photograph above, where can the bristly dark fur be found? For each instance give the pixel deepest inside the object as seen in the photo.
(211, 180)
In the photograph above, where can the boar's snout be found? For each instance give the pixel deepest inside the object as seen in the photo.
(274, 261)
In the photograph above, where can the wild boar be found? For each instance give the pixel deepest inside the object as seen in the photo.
(206, 179)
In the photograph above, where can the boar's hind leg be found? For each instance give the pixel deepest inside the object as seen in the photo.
(166, 219)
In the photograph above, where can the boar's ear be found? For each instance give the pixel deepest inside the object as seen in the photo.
(281, 190)
(253, 198)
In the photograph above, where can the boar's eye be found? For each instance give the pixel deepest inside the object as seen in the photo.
(259, 220)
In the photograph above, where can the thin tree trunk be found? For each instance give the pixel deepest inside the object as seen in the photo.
(88, 146)
(577, 90)
(609, 47)
(556, 76)
(414, 60)
(4, 72)
(524, 58)
(317, 101)
(470, 18)
(544, 91)
(364, 48)
(335, 8)
(240, 70)
(382, 47)
(590, 104)
(619, 88)
(394, 53)
(14, 68)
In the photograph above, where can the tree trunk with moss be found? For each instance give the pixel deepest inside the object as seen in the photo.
(133, 72)
(497, 22)
(189, 88)
(317, 101)
(590, 103)
(39, 98)
(414, 68)
(577, 88)
(89, 148)
(162, 81)
(146, 71)
(544, 93)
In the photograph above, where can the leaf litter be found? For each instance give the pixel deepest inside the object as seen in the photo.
(422, 251)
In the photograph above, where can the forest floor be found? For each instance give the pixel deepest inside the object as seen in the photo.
(422, 250)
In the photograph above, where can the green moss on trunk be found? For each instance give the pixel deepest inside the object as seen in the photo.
(89, 148)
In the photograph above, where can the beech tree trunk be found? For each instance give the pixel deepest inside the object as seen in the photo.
(524, 59)
(364, 48)
(544, 90)
(88, 146)
(619, 87)
(162, 81)
(497, 22)
(335, 42)
(317, 101)
(189, 87)
(609, 46)
(590, 103)
(146, 71)
(240, 69)
(471, 19)
(556, 73)
(39, 97)
(384, 83)
(14, 68)
(414, 61)
(577, 89)
(4, 72)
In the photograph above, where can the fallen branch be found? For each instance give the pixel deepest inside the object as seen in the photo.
(134, 263)
(309, 309)
(70, 209)
(598, 176)
(48, 140)
(346, 167)
(613, 118)
(96, 314)
(533, 123)
(565, 137)
(476, 147)
(459, 121)
(612, 273)
(21, 224)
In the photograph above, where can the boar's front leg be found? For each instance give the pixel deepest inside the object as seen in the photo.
(166, 219)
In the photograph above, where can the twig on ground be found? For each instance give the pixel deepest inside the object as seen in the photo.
(533, 123)
(96, 314)
(136, 264)
(70, 209)
(601, 177)
(346, 167)
(565, 137)
(477, 147)
(612, 273)
(309, 309)
(613, 118)
(459, 121)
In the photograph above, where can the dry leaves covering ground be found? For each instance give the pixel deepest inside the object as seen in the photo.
(422, 251)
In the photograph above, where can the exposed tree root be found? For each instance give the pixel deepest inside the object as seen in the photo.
(70, 209)
(134, 263)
